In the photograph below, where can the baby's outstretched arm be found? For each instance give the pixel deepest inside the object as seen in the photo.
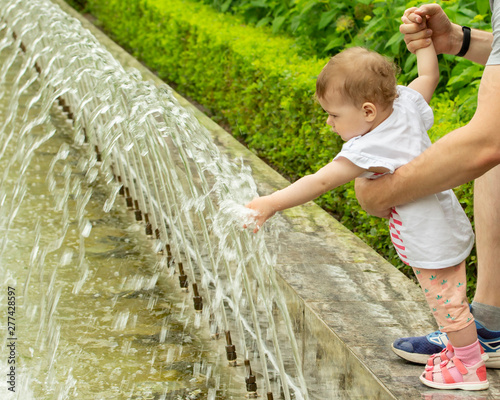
(334, 174)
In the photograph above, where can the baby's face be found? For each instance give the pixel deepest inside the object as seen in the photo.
(347, 120)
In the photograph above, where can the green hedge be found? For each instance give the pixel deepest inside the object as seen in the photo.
(324, 26)
(260, 86)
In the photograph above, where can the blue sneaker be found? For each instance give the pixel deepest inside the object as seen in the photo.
(418, 349)
(490, 341)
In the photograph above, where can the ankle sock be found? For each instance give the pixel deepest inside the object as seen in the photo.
(486, 315)
(469, 355)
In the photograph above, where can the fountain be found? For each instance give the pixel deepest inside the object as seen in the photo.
(134, 139)
(126, 272)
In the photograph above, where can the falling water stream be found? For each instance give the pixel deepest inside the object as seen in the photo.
(124, 332)
(126, 273)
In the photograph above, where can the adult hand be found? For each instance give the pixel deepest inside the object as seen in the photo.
(425, 23)
(369, 194)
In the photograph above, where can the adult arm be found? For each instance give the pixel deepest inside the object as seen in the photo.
(459, 157)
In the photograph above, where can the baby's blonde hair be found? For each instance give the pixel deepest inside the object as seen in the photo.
(359, 75)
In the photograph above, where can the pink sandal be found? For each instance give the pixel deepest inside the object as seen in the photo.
(436, 359)
(473, 377)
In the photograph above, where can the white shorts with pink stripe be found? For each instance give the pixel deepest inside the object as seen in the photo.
(431, 233)
(395, 231)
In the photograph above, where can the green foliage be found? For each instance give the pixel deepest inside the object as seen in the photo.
(78, 5)
(262, 84)
(325, 27)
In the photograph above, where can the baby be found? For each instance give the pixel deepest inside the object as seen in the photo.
(385, 126)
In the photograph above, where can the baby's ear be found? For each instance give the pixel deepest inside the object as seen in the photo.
(370, 111)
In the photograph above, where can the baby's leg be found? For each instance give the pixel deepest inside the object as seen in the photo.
(462, 366)
(446, 293)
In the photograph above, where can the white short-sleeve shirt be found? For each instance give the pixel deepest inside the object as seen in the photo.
(494, 58)
(433, 232)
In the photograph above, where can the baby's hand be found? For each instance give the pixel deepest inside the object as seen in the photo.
(264, 209)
